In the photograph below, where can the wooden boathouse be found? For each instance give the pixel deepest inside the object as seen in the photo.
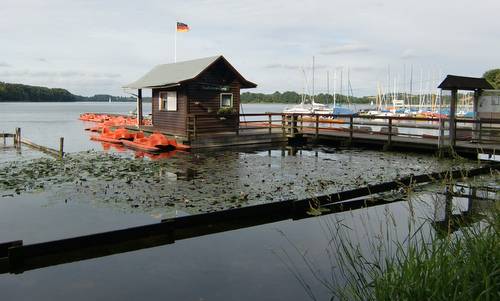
(198, 103)
(201, 95)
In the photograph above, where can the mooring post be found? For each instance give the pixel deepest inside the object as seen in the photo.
(270, 123)
(139, 107)
(194, 126)
(389, 138)
(452, 126)
(188, 128)
(440, 146)
(295, 127)
(18, 137)
(351, 128)
(480, 131)
(317, 126)
(475, 106)
(61, 147)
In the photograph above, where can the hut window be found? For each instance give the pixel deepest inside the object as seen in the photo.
(168, 101)
(226, 100)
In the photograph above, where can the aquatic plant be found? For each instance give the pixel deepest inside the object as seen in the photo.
(418, 265)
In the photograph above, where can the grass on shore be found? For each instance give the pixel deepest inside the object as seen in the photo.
(465, 267)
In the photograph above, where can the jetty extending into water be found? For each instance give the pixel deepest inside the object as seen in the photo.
(18, 140)
(410, 133)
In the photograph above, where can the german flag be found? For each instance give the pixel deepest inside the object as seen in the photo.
(181, 27)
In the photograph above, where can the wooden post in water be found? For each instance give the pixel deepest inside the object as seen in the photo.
(270, 123)
(453, 128)
(18, 137)
(194, 126)
(294, 125)
(389, 138)
(283, 124)
(317, 127)
(441, 134)
(139, 107)
(61, 147)
(475, 105)
(351, 128)
(480, 131)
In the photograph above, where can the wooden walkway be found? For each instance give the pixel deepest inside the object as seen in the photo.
(403, 142)
(422, 134)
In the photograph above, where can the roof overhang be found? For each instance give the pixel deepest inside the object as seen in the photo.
(171, 75)
(454, 82)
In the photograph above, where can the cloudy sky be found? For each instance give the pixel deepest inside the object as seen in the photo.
(96, 46)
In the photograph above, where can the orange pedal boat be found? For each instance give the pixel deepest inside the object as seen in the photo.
(156, 142)
(116, 136)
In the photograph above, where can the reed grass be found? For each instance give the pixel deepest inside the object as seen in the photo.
(464, 267)
(415, 265)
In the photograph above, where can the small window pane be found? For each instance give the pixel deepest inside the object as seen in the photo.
(226, 100)
(168, 101)
(171, 101)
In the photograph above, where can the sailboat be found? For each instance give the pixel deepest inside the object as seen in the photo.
(339, 110)
(308, 108)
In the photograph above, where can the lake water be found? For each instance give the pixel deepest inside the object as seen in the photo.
(246, 264)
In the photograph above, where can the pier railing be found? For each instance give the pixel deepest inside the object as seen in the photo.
(381, 128)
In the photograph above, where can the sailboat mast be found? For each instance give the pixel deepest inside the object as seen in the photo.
(341, 82)
(348, 86)
(411, 85)
(327, 85)
(313, 81)
(388, 84)
(334, 87)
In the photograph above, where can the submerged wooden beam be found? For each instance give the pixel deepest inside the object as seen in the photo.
(16, 257)
(44, 149)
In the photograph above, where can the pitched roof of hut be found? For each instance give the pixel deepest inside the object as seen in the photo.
(177, 73)
(452, 82)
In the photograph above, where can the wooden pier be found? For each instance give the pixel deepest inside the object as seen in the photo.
(18, 141)
(411, 133)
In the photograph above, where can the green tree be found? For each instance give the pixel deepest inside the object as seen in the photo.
(493, 77)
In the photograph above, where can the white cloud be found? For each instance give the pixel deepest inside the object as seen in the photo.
(117, 41)
(346, 48)
(409, 54)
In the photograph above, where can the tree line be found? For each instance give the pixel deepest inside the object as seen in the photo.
(27, 93)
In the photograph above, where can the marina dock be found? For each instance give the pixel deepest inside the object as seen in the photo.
(410, 133)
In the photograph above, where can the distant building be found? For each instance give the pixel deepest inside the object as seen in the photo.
(489, 104)
(203, 92)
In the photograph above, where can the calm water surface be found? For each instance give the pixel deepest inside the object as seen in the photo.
(244, 264)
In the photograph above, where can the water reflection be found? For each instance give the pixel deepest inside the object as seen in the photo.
(449, 216)
(459, 206)
(16, 258)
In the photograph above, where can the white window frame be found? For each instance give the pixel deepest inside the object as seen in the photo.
(232, 100)
(167, 101)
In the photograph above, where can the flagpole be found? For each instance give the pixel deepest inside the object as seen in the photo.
(175, 43)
